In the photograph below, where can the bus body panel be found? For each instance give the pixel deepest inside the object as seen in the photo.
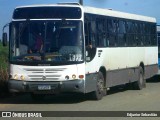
(122, 64)
(54, 76)
(121, 58)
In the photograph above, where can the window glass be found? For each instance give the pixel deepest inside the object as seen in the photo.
(47, 12)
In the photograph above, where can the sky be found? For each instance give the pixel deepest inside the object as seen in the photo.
(143, 7)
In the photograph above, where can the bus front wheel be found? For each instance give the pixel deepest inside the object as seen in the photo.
(100, 89)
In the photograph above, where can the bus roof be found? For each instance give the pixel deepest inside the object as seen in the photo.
(112, 13)
(52, 5)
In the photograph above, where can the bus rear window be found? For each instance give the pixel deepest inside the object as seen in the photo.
(47, 13)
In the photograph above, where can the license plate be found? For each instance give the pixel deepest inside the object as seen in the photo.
(44, 87)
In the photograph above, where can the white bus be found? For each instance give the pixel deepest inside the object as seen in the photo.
(72, 48)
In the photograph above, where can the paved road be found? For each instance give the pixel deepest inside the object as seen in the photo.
(118, 99)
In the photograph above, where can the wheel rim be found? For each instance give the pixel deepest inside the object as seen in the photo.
(141, 79)
(100, 86)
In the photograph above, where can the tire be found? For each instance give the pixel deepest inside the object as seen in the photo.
(100, 89)
(144, 82)
(37, 97)
(141, 83)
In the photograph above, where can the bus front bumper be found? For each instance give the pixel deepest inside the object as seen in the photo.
(46, 87)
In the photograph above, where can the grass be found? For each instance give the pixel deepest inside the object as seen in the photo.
(3, 69)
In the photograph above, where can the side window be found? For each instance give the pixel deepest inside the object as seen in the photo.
(93, 33)
(90, 30)
(158, 38)
(140, 31)
(87, 33)
(112, 32)
(121, 33)
(130, 33)
(137, 34)
(147, 34)
(101, 33)
(153, 34)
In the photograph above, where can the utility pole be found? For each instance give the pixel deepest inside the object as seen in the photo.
(81, 2)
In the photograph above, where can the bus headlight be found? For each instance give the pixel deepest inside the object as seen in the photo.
(15, 77)
(22, 77)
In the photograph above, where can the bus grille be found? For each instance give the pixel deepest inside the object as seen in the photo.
(47, 74)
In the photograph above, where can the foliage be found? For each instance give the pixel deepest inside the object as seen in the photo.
(3, 68)
(3, 57)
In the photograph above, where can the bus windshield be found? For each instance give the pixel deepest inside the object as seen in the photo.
(46, 41)
(47, 12)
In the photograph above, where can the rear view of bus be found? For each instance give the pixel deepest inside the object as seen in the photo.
(47, 49)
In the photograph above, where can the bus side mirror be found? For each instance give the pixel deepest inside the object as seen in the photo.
(4, 38)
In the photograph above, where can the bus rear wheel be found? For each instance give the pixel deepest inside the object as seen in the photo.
(100, 89)
(141, 83)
